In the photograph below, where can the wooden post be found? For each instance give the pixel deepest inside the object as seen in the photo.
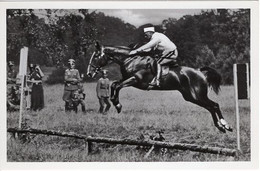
(86, 147)
(22, 75)
(90, 147)
(241, 84)
(237, 108)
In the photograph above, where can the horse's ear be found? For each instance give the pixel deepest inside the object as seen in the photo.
(97, 45)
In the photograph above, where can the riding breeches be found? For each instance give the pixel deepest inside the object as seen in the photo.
(170, 57)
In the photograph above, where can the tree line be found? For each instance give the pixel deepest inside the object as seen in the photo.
(217, 38)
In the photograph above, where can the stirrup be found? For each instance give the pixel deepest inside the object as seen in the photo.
(155, 83)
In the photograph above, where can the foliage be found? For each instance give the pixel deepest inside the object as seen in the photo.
(219, 37)
(215, 37)
(57, 76)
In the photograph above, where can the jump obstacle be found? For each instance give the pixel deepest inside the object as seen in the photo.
(89, 140)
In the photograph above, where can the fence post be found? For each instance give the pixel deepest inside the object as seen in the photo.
(89, 145)
(86, 146)
(241, 84)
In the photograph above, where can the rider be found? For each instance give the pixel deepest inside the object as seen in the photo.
(72, 79)
(158, 41)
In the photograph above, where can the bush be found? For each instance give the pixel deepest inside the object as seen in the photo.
(57, 76)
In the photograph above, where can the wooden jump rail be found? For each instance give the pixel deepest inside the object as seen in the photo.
(89, 140)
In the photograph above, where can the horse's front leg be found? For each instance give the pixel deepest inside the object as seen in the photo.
(112, 89)
(116, 87)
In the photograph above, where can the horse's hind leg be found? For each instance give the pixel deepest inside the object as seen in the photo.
(203, 101)
(221, 121)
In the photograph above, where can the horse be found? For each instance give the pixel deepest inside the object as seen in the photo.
(139, 70)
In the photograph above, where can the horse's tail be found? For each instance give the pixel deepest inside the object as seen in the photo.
(213, 78)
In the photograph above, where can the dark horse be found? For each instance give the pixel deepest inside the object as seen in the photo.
(139, 70)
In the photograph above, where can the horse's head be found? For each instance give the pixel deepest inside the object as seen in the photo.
(97, 61)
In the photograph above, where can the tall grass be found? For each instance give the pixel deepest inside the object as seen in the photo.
(144, 112)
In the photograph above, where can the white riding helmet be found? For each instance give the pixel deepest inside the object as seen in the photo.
(149, 29)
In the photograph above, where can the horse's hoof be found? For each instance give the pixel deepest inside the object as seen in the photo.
(229, 128)
(224, 124)
(118, 107)
(221, 129)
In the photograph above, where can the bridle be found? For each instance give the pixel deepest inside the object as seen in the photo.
(96, 68)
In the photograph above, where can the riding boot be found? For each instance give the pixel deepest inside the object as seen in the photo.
(156, 80)
(158, 77)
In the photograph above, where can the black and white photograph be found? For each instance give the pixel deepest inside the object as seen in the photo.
(159, 82)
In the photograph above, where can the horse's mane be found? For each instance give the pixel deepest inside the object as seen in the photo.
(121, 50)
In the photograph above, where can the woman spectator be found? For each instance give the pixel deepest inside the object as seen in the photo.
(37, 98)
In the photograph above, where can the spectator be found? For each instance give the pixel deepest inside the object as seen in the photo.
(11, 87)
(37, 97)
(82, 97)
(28, 88)
(103, 89)
(72, 79)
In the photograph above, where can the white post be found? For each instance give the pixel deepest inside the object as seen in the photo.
(21, 102)
(22, 74)
(247, 80)
(237, 108)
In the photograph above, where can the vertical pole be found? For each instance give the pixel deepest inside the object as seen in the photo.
(21, 103)
(86, 146)
(247, 80)
(237, 108)
(22, 74)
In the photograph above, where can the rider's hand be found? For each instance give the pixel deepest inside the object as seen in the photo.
(133, 52)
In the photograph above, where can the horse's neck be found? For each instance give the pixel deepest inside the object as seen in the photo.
(118, 54)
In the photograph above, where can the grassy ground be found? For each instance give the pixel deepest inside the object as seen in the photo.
(144, 112)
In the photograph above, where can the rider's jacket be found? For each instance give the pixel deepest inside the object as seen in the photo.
(160, 42)
(70, 75)
(103, 87)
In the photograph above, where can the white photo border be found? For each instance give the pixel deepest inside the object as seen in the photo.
(252, 5)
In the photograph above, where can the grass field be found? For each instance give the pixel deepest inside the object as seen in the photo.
(144, 112)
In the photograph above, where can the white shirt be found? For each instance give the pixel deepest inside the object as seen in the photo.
(159, 41)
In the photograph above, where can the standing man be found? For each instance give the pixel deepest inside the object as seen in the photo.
(158, 41)
(103, 89)
(72, 79)
(11, 74)
(11, 85)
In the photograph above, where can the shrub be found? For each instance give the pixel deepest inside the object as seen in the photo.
(57, 76)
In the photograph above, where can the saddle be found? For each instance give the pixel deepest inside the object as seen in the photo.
(166, 67)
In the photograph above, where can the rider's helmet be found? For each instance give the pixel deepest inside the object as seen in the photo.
(149, 29)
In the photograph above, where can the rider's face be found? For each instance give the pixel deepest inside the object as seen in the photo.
(148, 35)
